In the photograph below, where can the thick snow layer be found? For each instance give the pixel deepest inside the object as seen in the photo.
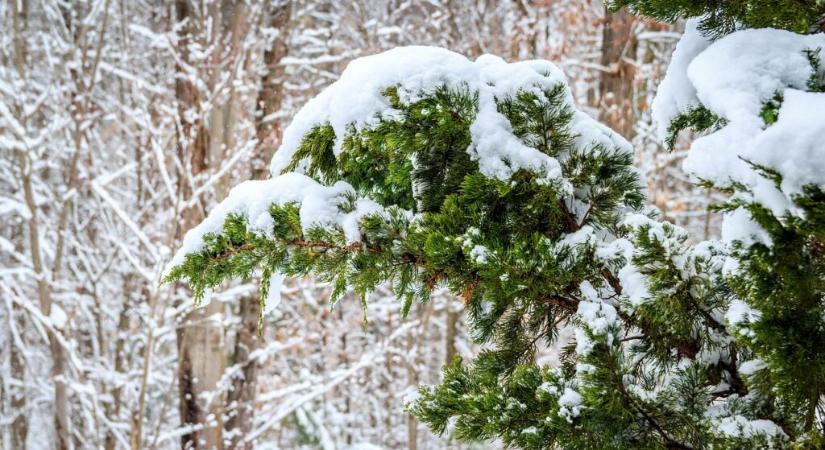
(739, 312)
(734, 78)
(739, 426)
(676, 93)
(570, 404)
(738, 73)
(739, 226)
(598, 315)
(793, 145)
(634, 285)
(751, 366)
(319, 206)
(356, 100)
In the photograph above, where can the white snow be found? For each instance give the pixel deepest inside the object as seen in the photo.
(734, 77)
(633, 282)
(740, 426)
(570, 404)
(598, 316)
(583, 343)
(479, 254)
(736, 74)
(634, 285)
(319, 206)
(11, 206)
(356, 99)
(273, 297)
(58, 317)
(548, 388)
(752, 366)
(676, 93)
(583, 235)
(710, 356)
(798, 133)
(739, 312)
(739, 226)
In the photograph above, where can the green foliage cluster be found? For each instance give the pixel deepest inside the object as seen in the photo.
(424, 240)
(720, 17)
(783, 278)
(697, 118)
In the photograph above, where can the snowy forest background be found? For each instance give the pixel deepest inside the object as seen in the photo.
(123, 121)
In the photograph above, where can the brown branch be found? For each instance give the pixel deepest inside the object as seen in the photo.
(570, 305)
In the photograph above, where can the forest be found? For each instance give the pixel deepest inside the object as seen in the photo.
(212, 238)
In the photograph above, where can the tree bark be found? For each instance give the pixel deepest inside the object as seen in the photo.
(201, 356)
(201, 364)
(113, 408)
(20, 423)
(61, 401)
(450, 333)
(412, 379)
(616, 101)
(268, 129)
(241, 397)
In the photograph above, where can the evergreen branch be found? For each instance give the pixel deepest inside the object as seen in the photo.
(670, 442)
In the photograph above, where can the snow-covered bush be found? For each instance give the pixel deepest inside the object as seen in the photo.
(421, 168)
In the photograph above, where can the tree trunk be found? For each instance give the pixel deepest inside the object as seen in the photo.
(616, 103)
(201, 364)
(20, 423)
(241, 398)
(113, 408)
(450, 333)
(44, 279)
(270, 97)
(61, 404)
(201, 354)
(412, 380)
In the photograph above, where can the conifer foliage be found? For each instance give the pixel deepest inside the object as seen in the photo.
(422, 169)
(721, 17)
